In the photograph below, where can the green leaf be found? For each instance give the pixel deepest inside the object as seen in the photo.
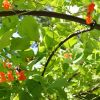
(5, 39)
(29, 29)
(17, 60)
(19, 44)
(23, 95)
(21, 4)
(95, 34)
(39, 78)
(26, 54)
(89, 46)
(4, 91)
(59, 83)
(9, 22)
(98, 69)
(50, 42)
(65, 66)
(70, 42)
(34, 88)
(62, 94)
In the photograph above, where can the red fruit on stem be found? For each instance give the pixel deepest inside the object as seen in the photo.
(2, 77)
(10, 76)
(88, 20)
(6, 4)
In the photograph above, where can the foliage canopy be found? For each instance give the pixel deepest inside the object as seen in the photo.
(26, 41)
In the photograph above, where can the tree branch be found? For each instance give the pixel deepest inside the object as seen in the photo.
(59, 45)
(47, 14)
(81, 93)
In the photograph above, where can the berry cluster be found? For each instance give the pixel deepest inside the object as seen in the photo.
(67, 55)
(90, 10)
(8, 77)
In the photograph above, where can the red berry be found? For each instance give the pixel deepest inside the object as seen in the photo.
(10, 76)
(6, 4)
(88, 20)
(2, 77)
(21, 75)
